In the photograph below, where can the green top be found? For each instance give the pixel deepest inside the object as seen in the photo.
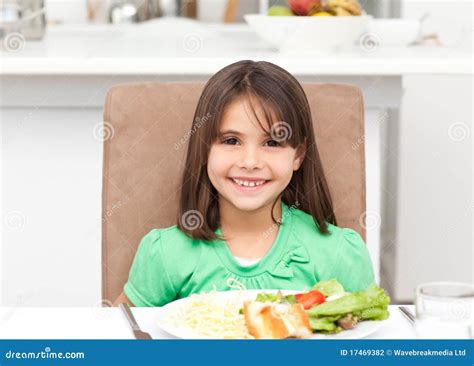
(169, 265)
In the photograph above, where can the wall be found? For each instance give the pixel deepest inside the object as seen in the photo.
(433, 236)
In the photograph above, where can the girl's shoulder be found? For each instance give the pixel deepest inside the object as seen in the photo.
(304, 225)
(171, 239)
(341, 254)
(164, 260)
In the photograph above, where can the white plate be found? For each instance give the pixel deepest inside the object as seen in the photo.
(361, 330)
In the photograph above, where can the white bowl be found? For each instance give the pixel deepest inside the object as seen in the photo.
(395, 32)
(310, 33)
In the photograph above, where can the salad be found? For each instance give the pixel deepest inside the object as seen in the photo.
(326, 308)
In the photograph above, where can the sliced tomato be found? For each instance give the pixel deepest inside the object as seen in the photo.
(308, 299)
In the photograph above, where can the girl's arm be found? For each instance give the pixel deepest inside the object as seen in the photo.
(122, 298)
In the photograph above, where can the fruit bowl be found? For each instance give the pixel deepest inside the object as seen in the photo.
(309, 33)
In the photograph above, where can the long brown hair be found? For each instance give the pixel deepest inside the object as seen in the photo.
(280, 96)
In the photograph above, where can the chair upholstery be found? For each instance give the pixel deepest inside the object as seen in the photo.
(145, 135)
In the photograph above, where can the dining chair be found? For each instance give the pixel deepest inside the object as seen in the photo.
(146, 127)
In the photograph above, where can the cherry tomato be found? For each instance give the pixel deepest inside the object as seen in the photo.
(308, 299)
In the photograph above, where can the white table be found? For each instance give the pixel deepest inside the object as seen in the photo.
(110, 323)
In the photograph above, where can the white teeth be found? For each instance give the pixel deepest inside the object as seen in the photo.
(247, 183)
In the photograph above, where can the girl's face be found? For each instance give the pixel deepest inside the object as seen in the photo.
(247, 167)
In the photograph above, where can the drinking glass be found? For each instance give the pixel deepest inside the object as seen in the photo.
(444, 310)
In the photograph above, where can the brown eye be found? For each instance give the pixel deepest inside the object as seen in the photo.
(273, 143)
(230, 141)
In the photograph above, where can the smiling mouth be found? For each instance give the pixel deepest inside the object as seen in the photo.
(250, 185)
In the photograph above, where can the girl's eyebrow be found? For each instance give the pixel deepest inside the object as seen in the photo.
(233, 132)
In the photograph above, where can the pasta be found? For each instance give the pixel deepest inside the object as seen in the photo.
(213, 317)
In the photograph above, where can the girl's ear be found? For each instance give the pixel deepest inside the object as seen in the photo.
(299, 157)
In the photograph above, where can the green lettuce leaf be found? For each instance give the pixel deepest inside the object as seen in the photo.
(326, 324)
(371, 304)
(329, 288)
(278, 297)
(360, 303)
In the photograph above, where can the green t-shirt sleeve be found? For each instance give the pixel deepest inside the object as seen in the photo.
(354, 266)
(148, 282)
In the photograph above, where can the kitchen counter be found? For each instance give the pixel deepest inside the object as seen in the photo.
(187, 47)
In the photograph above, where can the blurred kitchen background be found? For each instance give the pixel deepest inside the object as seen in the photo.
(59, 58)
(102, 11)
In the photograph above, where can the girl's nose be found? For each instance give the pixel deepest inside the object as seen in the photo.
(250, 158)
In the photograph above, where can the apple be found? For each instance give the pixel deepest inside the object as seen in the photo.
(303, 7)
(278, 10)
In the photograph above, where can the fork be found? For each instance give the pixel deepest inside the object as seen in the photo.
(137, 332)
(408, 314)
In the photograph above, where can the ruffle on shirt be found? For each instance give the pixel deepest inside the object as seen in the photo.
(296, 252)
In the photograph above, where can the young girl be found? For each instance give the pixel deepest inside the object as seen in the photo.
(255, 208)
